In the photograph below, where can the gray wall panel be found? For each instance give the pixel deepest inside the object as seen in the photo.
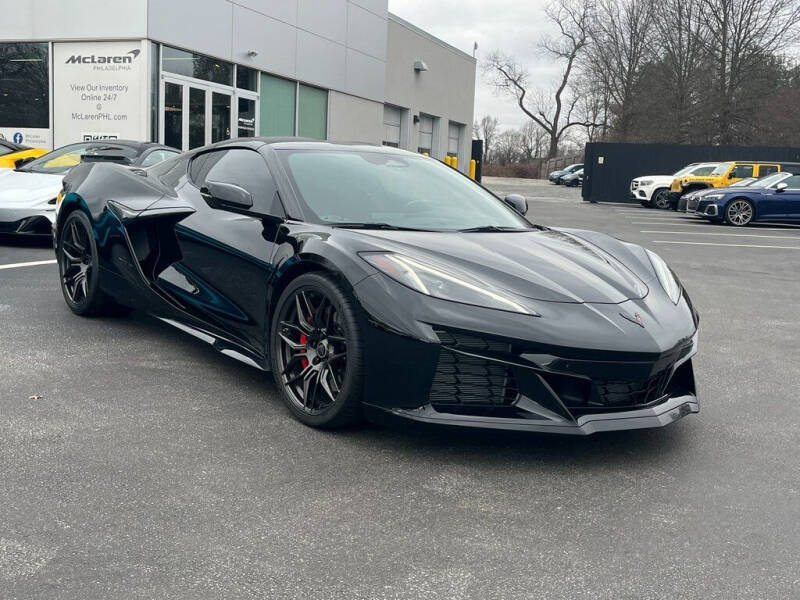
(352, 119)
(202, 26)
(327, 18)
(62, 20)
(379, 7)
(275, 42)
(365, 75)
(283, 10)
(320, 61)
(366, 32)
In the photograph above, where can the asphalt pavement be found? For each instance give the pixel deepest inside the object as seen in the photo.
(135, 462)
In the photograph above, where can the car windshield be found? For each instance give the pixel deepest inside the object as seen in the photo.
(344, 188)
(722, 168)
(62, 160)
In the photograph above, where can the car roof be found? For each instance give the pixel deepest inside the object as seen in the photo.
(299, 143)
(13, 146)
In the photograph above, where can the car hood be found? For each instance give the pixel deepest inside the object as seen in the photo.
(547, 265)
(656, 179)
(18, 187)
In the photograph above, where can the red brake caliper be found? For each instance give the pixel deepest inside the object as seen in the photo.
(304, 360)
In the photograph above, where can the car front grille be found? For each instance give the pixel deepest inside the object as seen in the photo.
(613, 393)
(468, 384)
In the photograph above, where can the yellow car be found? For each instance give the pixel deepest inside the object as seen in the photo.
(725, 174)
(11, 153)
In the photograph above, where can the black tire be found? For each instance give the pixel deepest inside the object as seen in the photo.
(79, 268)
(339, 330)
(739, 212)
(660, 199)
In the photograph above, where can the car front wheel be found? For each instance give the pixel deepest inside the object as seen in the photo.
(316, 352)
(661, 199)
(739, 213)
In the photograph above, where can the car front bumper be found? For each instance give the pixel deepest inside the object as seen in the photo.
(476, 367)
(26, 221)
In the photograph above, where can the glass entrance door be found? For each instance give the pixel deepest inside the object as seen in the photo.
(195, 114)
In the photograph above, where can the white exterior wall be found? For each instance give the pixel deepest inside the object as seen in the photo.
(446, 90)
(335, 44)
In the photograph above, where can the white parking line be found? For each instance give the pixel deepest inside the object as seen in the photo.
(729, 245)
(28, 264)
(677, 224)
(747, 235)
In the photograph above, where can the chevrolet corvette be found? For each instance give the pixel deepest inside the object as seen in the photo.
(372, 281)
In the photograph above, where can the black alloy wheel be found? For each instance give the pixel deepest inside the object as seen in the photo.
(316, 352)
(661, 199)
(78, 266)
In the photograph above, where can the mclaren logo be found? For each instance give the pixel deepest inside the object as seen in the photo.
(636, 318)
(93, 59)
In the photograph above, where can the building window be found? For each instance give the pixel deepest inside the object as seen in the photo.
(198, 66)
(246, 121)
(453, 138)
(277, 106)
(246, 79)
(425, 135)
(312, 112)
(392, 117)
(24, 85)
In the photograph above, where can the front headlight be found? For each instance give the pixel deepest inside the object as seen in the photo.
(666, 277)
(713, 197)
(646, 182)
(443, 282)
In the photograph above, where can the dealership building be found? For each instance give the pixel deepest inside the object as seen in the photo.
(191, 72)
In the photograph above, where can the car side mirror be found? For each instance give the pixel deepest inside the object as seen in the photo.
(23, 161)
(517, 202)
(781, 186)
(226, 195)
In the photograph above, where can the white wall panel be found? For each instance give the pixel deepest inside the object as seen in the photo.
(365, 75)
(352, 119)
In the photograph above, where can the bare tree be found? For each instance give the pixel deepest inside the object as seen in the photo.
(508, 147)
(553, 112)
(619, 48)
(533, 140)
(742, 33)
(485, 130)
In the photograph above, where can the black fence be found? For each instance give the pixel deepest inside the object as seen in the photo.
(609, 168)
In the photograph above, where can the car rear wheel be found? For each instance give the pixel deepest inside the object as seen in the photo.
(661, 199)
(316, 352)
(739, 213)
(79, 268)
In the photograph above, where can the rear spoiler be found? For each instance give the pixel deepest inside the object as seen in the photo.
(106, 157)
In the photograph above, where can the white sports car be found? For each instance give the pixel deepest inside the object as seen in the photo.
(28, 193)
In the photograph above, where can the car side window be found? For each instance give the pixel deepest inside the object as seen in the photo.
(5, 150)
(742, 171)
(158, 156)
(242, 167)
(793, 182)
(767, 170)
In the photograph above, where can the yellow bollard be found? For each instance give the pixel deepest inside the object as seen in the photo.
(473, 165)
(447, 160)
(454, 162)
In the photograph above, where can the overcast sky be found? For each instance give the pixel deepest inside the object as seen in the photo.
(513, 26)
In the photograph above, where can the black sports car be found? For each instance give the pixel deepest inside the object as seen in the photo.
(371, 280)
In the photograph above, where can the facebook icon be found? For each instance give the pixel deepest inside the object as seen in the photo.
(17, 138)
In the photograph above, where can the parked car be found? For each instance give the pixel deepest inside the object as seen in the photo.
(28, 194)
(573, 179)
(379, 282)
(778, 201)
(688, 202)
(12, 155)
(653, 190)
(724, 175)
(555, 176)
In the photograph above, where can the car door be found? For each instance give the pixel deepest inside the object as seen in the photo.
(225, 267)
(791, 198)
